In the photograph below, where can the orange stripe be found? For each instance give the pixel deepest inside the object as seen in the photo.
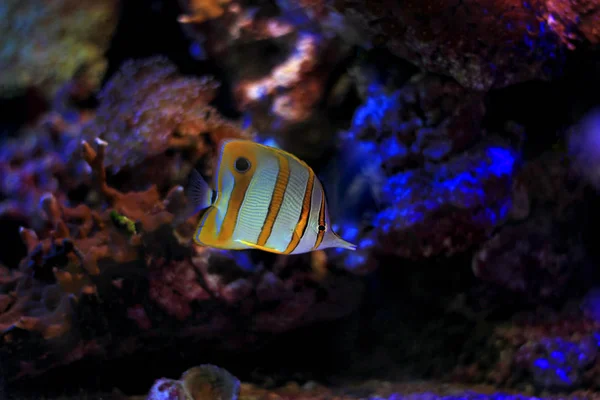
(303, 221)
(283, 177)
(240, 186)
(321, 233)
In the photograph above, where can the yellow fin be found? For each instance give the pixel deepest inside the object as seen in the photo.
(258, 247)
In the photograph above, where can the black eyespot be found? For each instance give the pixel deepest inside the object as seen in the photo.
(242, 164)
(321, 227)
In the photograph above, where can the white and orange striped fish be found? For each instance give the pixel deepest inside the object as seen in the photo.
(264, 198)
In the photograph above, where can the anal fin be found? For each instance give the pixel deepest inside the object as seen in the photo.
(258, 247)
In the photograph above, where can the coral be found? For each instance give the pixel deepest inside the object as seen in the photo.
(43, 45)
(440, 184)
(573, 19)
(378, 390)
(556, 362)
(171, 112)
(481, 44)
(555, 350)
(537, 255)
(280, 70)
(159, 142)
(43, 158)
(196, 383)
(101, 282)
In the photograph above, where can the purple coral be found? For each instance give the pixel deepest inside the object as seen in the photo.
(43, 159)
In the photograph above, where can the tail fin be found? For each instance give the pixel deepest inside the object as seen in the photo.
(336, 241)
(345, 245)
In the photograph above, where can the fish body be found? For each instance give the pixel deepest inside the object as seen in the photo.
(264, 198)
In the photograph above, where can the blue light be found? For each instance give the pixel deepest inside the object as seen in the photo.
(240, 257)
(374, 111)
(197, 51)
(558, 356)
(562, 375)
(246, 120)
(542, 363)
(441, 187)
(392, 148)
(355, 260)
(269, 141)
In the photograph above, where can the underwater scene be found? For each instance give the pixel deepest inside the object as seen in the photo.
(299, 200)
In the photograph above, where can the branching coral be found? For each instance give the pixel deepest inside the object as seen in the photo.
(482, 44)
(443, 188)
(42, 159)
(44, 44)
(98, 283)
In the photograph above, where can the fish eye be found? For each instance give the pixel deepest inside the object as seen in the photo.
(321, 227)
(242, 164)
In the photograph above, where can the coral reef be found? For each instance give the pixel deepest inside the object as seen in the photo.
(476, 260)
(171, 130)
(44, 44)
(101, 282)
(442, 185)
(481, 44)
(279, 70)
